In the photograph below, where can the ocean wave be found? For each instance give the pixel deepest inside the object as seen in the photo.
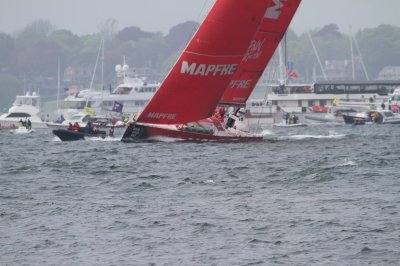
(166, 139)
(304, 137)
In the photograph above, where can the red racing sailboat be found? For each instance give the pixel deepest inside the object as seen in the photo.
(221, 49)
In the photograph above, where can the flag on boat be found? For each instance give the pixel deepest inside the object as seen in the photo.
(88, 111)
(117, 107)
(71, 90)
(335, 101)
(290, 71)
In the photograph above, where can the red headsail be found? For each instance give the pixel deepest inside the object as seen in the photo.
(262, 47)
(196, 83)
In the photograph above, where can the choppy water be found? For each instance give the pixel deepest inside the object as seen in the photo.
(316, 196)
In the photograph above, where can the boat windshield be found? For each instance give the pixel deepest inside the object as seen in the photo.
(23, 100)
(75, 104)
(80, 117)
(18, 115)
(145, 89)
(122, 90)
(127, 90)
(396, 98)
(292, 89)
(387, 114)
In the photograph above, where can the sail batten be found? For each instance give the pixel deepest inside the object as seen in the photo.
(197, 81)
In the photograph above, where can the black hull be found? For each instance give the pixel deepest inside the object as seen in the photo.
(70, 135)
(348, 119)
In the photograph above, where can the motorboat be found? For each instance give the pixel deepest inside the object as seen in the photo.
(82, 119)
(334, 114)
(372, 117)
(132, 93)
(24, 107)
(302, 98)
(81, 134)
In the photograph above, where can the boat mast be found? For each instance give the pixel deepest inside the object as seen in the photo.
(58, 86)
(102, 73)
(282, 76)
(95, 65)
(361, 57)
(285, 65)
(24, 84)
(317, 55)
(102, 65)
(352, 55)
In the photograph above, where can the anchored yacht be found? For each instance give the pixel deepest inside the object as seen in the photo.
(24, 107)
(132, 94)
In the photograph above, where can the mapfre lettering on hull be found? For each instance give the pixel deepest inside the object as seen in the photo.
(161, 115)
(195, 69)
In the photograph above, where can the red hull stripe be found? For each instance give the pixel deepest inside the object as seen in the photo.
(155, 132)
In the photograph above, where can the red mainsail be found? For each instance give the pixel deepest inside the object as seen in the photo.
(196, 83)
(273, 27)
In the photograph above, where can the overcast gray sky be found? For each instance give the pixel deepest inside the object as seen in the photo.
(85, 16)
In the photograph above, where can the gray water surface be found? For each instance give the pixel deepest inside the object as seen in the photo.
(321, 195)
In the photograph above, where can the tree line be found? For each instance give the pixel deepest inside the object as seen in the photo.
(31, 55)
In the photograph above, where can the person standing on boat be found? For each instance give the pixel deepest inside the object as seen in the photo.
(383, 105)
(29, 124)
(295, 119)
(374, 117)
(111, 131)
(219, 114)
(76, 127)
(89, 127)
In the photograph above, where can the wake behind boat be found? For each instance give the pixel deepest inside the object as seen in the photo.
(284, 124)
(22, 130)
